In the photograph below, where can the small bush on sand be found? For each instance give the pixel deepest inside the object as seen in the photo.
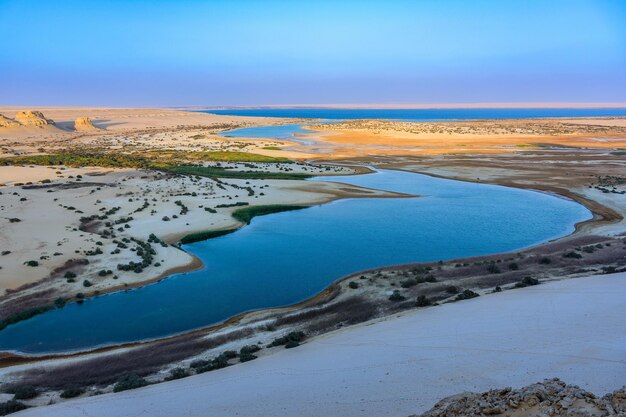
(396, 296)
(291, 344)
(72, 391)
(353, 285)
(423, 301)
(466, 295)
(11, 407)
(291, 337)
(452, 289)
(246, 357)
(130, 381)
(177, 373)
(545, 260)
(23, 392)
(527, 282)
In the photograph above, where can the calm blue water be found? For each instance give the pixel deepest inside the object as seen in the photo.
(419, 114)
(284, 258)
(277, 132)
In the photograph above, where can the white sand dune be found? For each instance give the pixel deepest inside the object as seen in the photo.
(573, 329)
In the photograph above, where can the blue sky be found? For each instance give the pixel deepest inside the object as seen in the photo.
(238, 52)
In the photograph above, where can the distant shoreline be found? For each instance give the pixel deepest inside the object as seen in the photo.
(422, 106)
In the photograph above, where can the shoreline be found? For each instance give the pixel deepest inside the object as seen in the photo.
(348, 360)
(602, 216)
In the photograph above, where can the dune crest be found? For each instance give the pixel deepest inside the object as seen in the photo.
(84, 123)
(32, 118)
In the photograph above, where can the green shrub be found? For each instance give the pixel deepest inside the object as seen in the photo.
(130, 381)
(207, 234)
(177, 373)
(396, 296)
(291, 337)
(423, 301)
(11, 406)
(466, 295)
(23, 392)
(247, 356)
(353, 285)
(452, 289)
(527, 282)
(24, 315)
(72, 391)
(249, 349)
(408, 283)
(69, 274)
(245, 215)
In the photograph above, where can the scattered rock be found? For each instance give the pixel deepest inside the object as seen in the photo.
(32, 118)
(6, 122)
(551, 397)
(84, 123)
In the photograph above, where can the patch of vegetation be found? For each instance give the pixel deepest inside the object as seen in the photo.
(234, 156)
(23, 315)
(153, 159)
(22, 392)
(245, 215)
(215, 172)
(204, 235)
(527, 282)
(290, 338)
(130, 381)
(72, 391)
(396, 296)
(466, 295)
(246, 353)
(11, 406)
(177, 373)
(423, 301)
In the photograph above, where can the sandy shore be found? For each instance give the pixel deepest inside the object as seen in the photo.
(570, 329)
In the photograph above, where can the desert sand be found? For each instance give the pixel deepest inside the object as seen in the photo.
(570, 329)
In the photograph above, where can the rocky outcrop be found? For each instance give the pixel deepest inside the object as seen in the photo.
(6, 122)
(550, 398)
(84, 123)
(32, 118)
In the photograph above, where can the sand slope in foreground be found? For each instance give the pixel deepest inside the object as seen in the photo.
(570, 329)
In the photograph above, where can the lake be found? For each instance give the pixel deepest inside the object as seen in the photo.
(284, 258)
(420, 114)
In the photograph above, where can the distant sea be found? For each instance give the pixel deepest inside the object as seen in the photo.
(421, 114)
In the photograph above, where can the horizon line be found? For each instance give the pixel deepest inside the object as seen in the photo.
(390, 106)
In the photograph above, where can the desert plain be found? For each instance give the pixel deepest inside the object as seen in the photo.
(85, 190)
